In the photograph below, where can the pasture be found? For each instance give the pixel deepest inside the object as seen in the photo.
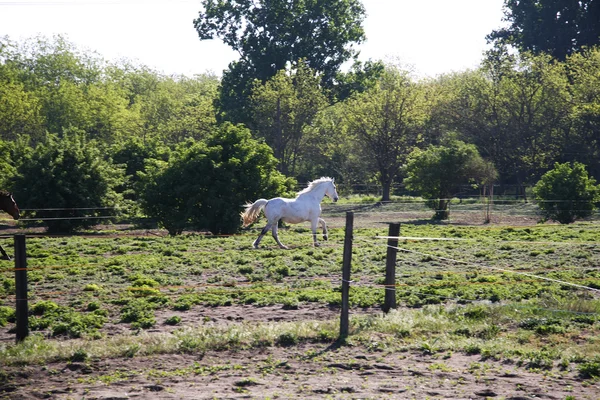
(505, 310)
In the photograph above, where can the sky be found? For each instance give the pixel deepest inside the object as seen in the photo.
(430, 37)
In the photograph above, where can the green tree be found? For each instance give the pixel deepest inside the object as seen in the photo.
(387, 122)
(52, 87)
(68, 182)
(205, 183)
(282, 109)
(515, 110)
(270, 34)
(582, 142)
(566, 193)
(438, 172)
(556, 27)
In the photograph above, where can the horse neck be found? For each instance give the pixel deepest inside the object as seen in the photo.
(317, 192)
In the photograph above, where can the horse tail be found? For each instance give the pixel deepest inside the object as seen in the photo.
(252, 211)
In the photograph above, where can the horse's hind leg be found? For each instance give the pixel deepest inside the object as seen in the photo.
(4, 255)
(324, 225)
(262, 233)
(313, 226)
(276, 237)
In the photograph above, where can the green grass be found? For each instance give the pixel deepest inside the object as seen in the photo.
(504, 292)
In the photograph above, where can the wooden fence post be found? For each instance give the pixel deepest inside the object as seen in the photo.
(22, 308)
(390, 268)
(347, 262)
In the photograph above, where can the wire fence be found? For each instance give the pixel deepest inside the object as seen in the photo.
(330, 283)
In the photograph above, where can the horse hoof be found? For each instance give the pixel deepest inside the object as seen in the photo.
(325, 237)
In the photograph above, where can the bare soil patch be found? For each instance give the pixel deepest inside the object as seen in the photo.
(303, 371)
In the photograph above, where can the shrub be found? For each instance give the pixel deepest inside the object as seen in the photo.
(206, 183)
(62, 176)
(566, 193)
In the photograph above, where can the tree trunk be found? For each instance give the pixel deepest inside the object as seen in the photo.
(442, 212)
(385, 196)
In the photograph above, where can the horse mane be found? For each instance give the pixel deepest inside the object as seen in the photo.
(312, 185)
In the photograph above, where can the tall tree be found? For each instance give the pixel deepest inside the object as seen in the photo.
(515, 110)
(583, 142)
(282, 108)
(556, 27)
(388, 121)
(269, 34)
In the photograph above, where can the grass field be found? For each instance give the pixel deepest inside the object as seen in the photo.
(521, 295)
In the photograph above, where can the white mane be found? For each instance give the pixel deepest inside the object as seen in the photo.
(314, 184)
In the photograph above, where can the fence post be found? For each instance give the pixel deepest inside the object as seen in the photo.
(22, 309)
(390, 268)
(347, 262)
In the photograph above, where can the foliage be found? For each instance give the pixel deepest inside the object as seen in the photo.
(584, 145)
(135, 154)
(514, 109)
(567, 193)
(437, 172)
(206, 183)
(67, 182)
(270, 34)
(387, 122)
(282, 108)
(556, 27)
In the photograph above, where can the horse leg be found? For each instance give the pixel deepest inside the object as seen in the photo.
(262, 233)
(274, 231)
(313, 225)
(324, 225)
(4, 255)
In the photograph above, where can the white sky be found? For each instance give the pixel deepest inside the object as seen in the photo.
(431, 36)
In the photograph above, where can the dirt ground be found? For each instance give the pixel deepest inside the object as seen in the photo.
(304, 371)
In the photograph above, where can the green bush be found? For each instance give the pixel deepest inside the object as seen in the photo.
(68, 181)
(566, 193)
(206, 183)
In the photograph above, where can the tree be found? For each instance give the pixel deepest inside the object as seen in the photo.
(566, 193)
(206, 183)
(438, 172)
(556, 27)
(387, 122)
(67, 182)
(514, 109)
(582, 142)
(282, 108)
(270, 34)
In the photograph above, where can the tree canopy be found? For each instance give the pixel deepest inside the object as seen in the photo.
(556, 27)
(271, 34)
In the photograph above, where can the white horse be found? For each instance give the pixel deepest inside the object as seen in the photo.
(305, 207)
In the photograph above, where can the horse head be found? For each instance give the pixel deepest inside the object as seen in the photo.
(331, 191)
(9, 205)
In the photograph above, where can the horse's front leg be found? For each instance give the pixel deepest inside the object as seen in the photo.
(276, 237)
(262, 233)
(324, 226)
